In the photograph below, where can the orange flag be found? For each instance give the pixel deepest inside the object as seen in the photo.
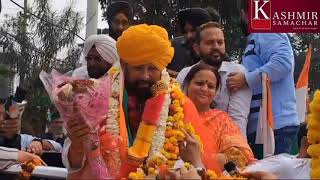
(265, 134)
(269, 104)
(302, 87)
(304, 75)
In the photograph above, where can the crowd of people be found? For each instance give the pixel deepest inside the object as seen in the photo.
(221, 99)
(25, 146)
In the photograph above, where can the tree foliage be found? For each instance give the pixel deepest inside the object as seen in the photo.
(163, 13)
(300, 43)
(34, 47)
(32, 42)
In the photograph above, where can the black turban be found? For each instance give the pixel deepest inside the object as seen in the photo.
(194, 16)
(119, 6)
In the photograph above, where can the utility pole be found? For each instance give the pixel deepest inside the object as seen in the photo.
(25, 11)
(24, 57)
(92, 17)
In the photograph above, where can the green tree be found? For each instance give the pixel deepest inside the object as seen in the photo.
(32, 41)
(164, 13)
(300, 43)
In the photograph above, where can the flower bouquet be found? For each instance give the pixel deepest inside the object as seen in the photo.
(87, 99)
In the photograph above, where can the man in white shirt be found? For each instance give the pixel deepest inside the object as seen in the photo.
(10, 156)
(9, 137)
(210, 46)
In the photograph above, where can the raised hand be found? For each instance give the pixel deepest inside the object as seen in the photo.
(8, 126)
(35, 147)
(190, 150)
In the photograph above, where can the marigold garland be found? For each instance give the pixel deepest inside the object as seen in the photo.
(165, 151)
(112, 128)
(112, 124)
(313, 125)
(159, 135)
(28, 167)
(165, 145)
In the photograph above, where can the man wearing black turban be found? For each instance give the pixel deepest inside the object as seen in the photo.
(188, 21)
(120, 16)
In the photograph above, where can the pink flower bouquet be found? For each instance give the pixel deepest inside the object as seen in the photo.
(87, 99)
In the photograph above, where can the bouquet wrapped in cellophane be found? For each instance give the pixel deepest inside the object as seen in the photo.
(86, 99)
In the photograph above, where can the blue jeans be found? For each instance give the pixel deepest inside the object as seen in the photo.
(284, 141)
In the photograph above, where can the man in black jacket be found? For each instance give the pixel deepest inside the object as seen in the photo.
(189, 20)
(120, 16)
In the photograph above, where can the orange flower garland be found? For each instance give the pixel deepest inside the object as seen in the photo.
(28, 167)
(175, 123)
(313, 126)
(169, 153)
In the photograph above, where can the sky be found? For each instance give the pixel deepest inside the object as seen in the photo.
(57, 5)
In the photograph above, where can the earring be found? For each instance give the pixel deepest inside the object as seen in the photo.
(212, 105)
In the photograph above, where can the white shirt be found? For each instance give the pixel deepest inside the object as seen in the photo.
(27, 139)
(284, 166)
(237, 104)
(8, 157)
(81, 72)
(65, 160)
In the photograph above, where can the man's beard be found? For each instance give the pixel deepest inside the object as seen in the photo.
(96, 73)
(190, 43)
(141, 92)
(213, 61)
(114, 33)
(117, 35)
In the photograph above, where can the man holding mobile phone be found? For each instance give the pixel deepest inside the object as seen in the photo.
(8, 131)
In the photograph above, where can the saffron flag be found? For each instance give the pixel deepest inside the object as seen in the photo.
(302, 87)
(265, 134)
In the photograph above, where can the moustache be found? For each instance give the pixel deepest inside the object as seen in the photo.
(223, 56)
(215, 58)
(214, 52)
(96, 73)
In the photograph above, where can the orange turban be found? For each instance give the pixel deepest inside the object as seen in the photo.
(143, 44)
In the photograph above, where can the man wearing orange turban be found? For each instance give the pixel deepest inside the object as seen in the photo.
(143, 44)
(144, 51)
